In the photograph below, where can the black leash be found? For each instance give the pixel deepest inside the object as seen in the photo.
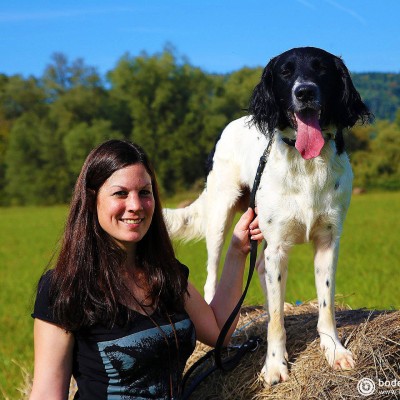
(229, 363)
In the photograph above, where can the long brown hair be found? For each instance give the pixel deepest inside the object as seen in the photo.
(87, 282)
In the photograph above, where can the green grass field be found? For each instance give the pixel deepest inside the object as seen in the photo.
(368, 272)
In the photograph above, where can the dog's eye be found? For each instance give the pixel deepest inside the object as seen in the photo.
(317, 66)
(287, 70)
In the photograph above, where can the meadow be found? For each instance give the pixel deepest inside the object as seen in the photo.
(368, 271)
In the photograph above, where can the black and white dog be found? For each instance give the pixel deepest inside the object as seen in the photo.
(304, 101)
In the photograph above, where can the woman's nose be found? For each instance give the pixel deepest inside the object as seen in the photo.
(134, 203)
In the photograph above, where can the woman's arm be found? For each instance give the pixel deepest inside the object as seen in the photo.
(53, 361)
(209, 319)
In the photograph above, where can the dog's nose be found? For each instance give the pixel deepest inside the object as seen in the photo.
(306, 92)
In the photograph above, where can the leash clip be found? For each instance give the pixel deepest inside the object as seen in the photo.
(254, 343)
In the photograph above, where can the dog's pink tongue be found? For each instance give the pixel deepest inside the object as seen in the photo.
(309, 141)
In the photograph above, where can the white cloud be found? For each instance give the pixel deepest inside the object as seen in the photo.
(349, 11)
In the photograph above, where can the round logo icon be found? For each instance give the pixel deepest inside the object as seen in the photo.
(366, 386)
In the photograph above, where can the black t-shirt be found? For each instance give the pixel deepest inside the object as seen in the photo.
(130, 361)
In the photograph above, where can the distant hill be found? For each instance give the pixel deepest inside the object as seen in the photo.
(380, 91)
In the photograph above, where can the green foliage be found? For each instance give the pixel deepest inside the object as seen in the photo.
(24, 165)
(168, 101)
(36, 162)
(19, 96)
(233, 98)
(380, 91)
(52, 131)
(377, 163)
(82, 138)
(61, 76)
(174, 110)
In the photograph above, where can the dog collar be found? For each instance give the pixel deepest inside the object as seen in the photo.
(289, 142)
(292, 142)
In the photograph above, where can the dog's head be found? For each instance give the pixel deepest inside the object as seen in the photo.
(309, 90)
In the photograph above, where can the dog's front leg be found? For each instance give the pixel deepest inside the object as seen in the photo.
(275, 368)
(326, 256)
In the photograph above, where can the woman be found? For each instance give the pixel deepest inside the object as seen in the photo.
(117, 311)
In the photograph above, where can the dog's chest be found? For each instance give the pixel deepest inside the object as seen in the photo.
(298, 196)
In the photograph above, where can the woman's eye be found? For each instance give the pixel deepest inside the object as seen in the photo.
(120, 193)
(146, 192)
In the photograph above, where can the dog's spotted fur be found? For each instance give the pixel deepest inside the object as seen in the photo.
(305, 97)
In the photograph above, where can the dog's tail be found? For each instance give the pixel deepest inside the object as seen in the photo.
(186, 223)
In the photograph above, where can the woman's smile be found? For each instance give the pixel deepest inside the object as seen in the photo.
(132, 221)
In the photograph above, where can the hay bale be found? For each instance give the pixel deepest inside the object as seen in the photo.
(372, 336)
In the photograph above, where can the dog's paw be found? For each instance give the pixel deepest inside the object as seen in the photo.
(275, 371)
(338, 357)
(343, 360)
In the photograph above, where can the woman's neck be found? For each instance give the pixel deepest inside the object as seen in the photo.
(137, 296)
(130, 263)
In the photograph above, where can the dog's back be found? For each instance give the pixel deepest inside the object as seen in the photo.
(240, 144)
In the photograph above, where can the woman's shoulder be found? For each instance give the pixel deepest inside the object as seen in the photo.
(184, 269)
(43, 286)
(42, 307)
(45, 279)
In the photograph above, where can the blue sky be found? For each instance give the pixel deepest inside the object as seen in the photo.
(218, 36)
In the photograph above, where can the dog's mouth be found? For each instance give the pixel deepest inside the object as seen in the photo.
(309, 139)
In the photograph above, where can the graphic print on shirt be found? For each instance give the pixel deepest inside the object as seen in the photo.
(141, 363)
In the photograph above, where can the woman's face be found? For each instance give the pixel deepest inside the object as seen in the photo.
(125, 205)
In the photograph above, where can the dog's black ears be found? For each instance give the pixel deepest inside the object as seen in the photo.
(351, 108)
(263, 109)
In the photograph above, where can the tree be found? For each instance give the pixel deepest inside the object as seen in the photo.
(233, 99)
(61, 76)
(174, 110)
(378, 164)
(5, 127)
(23, 163)
(82, 138)
(168, 101)
(19, 96)
(359, 137)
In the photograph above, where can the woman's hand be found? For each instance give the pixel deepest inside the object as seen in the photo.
(246, 228)
(209, 319)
